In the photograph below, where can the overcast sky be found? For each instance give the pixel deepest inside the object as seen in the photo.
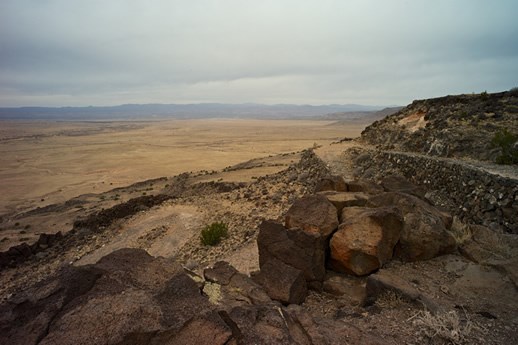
(385, 52)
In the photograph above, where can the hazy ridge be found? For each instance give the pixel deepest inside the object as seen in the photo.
(180, 111)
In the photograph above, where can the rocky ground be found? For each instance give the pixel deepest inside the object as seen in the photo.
(83, 286)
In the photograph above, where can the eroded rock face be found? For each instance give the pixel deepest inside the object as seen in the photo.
(366, 241)
(303, 250)
(425, 232)
(313, 214)
(282, 282)
(127, 297)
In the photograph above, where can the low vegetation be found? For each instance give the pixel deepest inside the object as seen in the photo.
(214, 233)
(506, 141)
(449, 327)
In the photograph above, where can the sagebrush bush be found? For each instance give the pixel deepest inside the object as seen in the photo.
(506, 140)
(213, 234)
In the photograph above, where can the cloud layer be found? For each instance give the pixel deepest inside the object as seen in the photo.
(63, 52)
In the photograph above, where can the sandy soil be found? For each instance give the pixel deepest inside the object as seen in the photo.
(42, 163)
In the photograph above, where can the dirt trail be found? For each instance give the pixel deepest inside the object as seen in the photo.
(341, 164)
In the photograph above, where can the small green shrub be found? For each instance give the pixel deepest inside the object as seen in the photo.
(505, 140)
(214, 233)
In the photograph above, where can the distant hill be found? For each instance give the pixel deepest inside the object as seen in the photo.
(451, 126)
(180, 111)
(370, 116)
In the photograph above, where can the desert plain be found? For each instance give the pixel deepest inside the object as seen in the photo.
(47, 162)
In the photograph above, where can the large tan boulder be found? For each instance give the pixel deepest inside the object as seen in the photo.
(366, 241)
(313, 214)
(425, 233)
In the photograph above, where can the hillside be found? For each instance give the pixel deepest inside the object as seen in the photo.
(343, 243)
(453, 126)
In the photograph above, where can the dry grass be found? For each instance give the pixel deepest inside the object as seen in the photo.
(448, 326)
(460, 231)
(389, 299)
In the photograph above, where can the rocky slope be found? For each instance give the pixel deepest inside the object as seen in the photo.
(453, 126)
(313, 255)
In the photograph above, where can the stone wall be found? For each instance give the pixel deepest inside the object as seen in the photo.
(470, 193)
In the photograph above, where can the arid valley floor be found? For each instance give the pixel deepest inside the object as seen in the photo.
(106, 186)
(42, 163)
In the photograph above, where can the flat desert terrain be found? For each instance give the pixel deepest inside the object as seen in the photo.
(43, 163)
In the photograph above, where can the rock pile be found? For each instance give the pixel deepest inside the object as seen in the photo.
(354, 232)
(129, 297)
(472, 194)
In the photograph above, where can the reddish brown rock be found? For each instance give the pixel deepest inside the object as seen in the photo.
(313, 214)
(365, 242)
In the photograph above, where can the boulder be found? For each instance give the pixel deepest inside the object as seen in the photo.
(127, 297)
(364, 243)
(233, 288)
(397, 183)
(385, 281)
(485, 246)
(425, 232)
(313, 214)
(345, 199)
(295, 247)
(331, 183)
(350, 212)
(282, 282)
(364, 186)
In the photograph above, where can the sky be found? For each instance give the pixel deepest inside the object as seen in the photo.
(383, 52)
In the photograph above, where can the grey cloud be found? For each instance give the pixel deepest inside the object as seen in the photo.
(112, 52)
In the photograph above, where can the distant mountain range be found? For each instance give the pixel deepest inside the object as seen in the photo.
(183, 111)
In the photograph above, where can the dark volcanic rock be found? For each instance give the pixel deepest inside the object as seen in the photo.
(331, 183)
(395, 183)
(295, 247)
(282, 282)
(425, 232)
(313, 214)
(127, 297)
